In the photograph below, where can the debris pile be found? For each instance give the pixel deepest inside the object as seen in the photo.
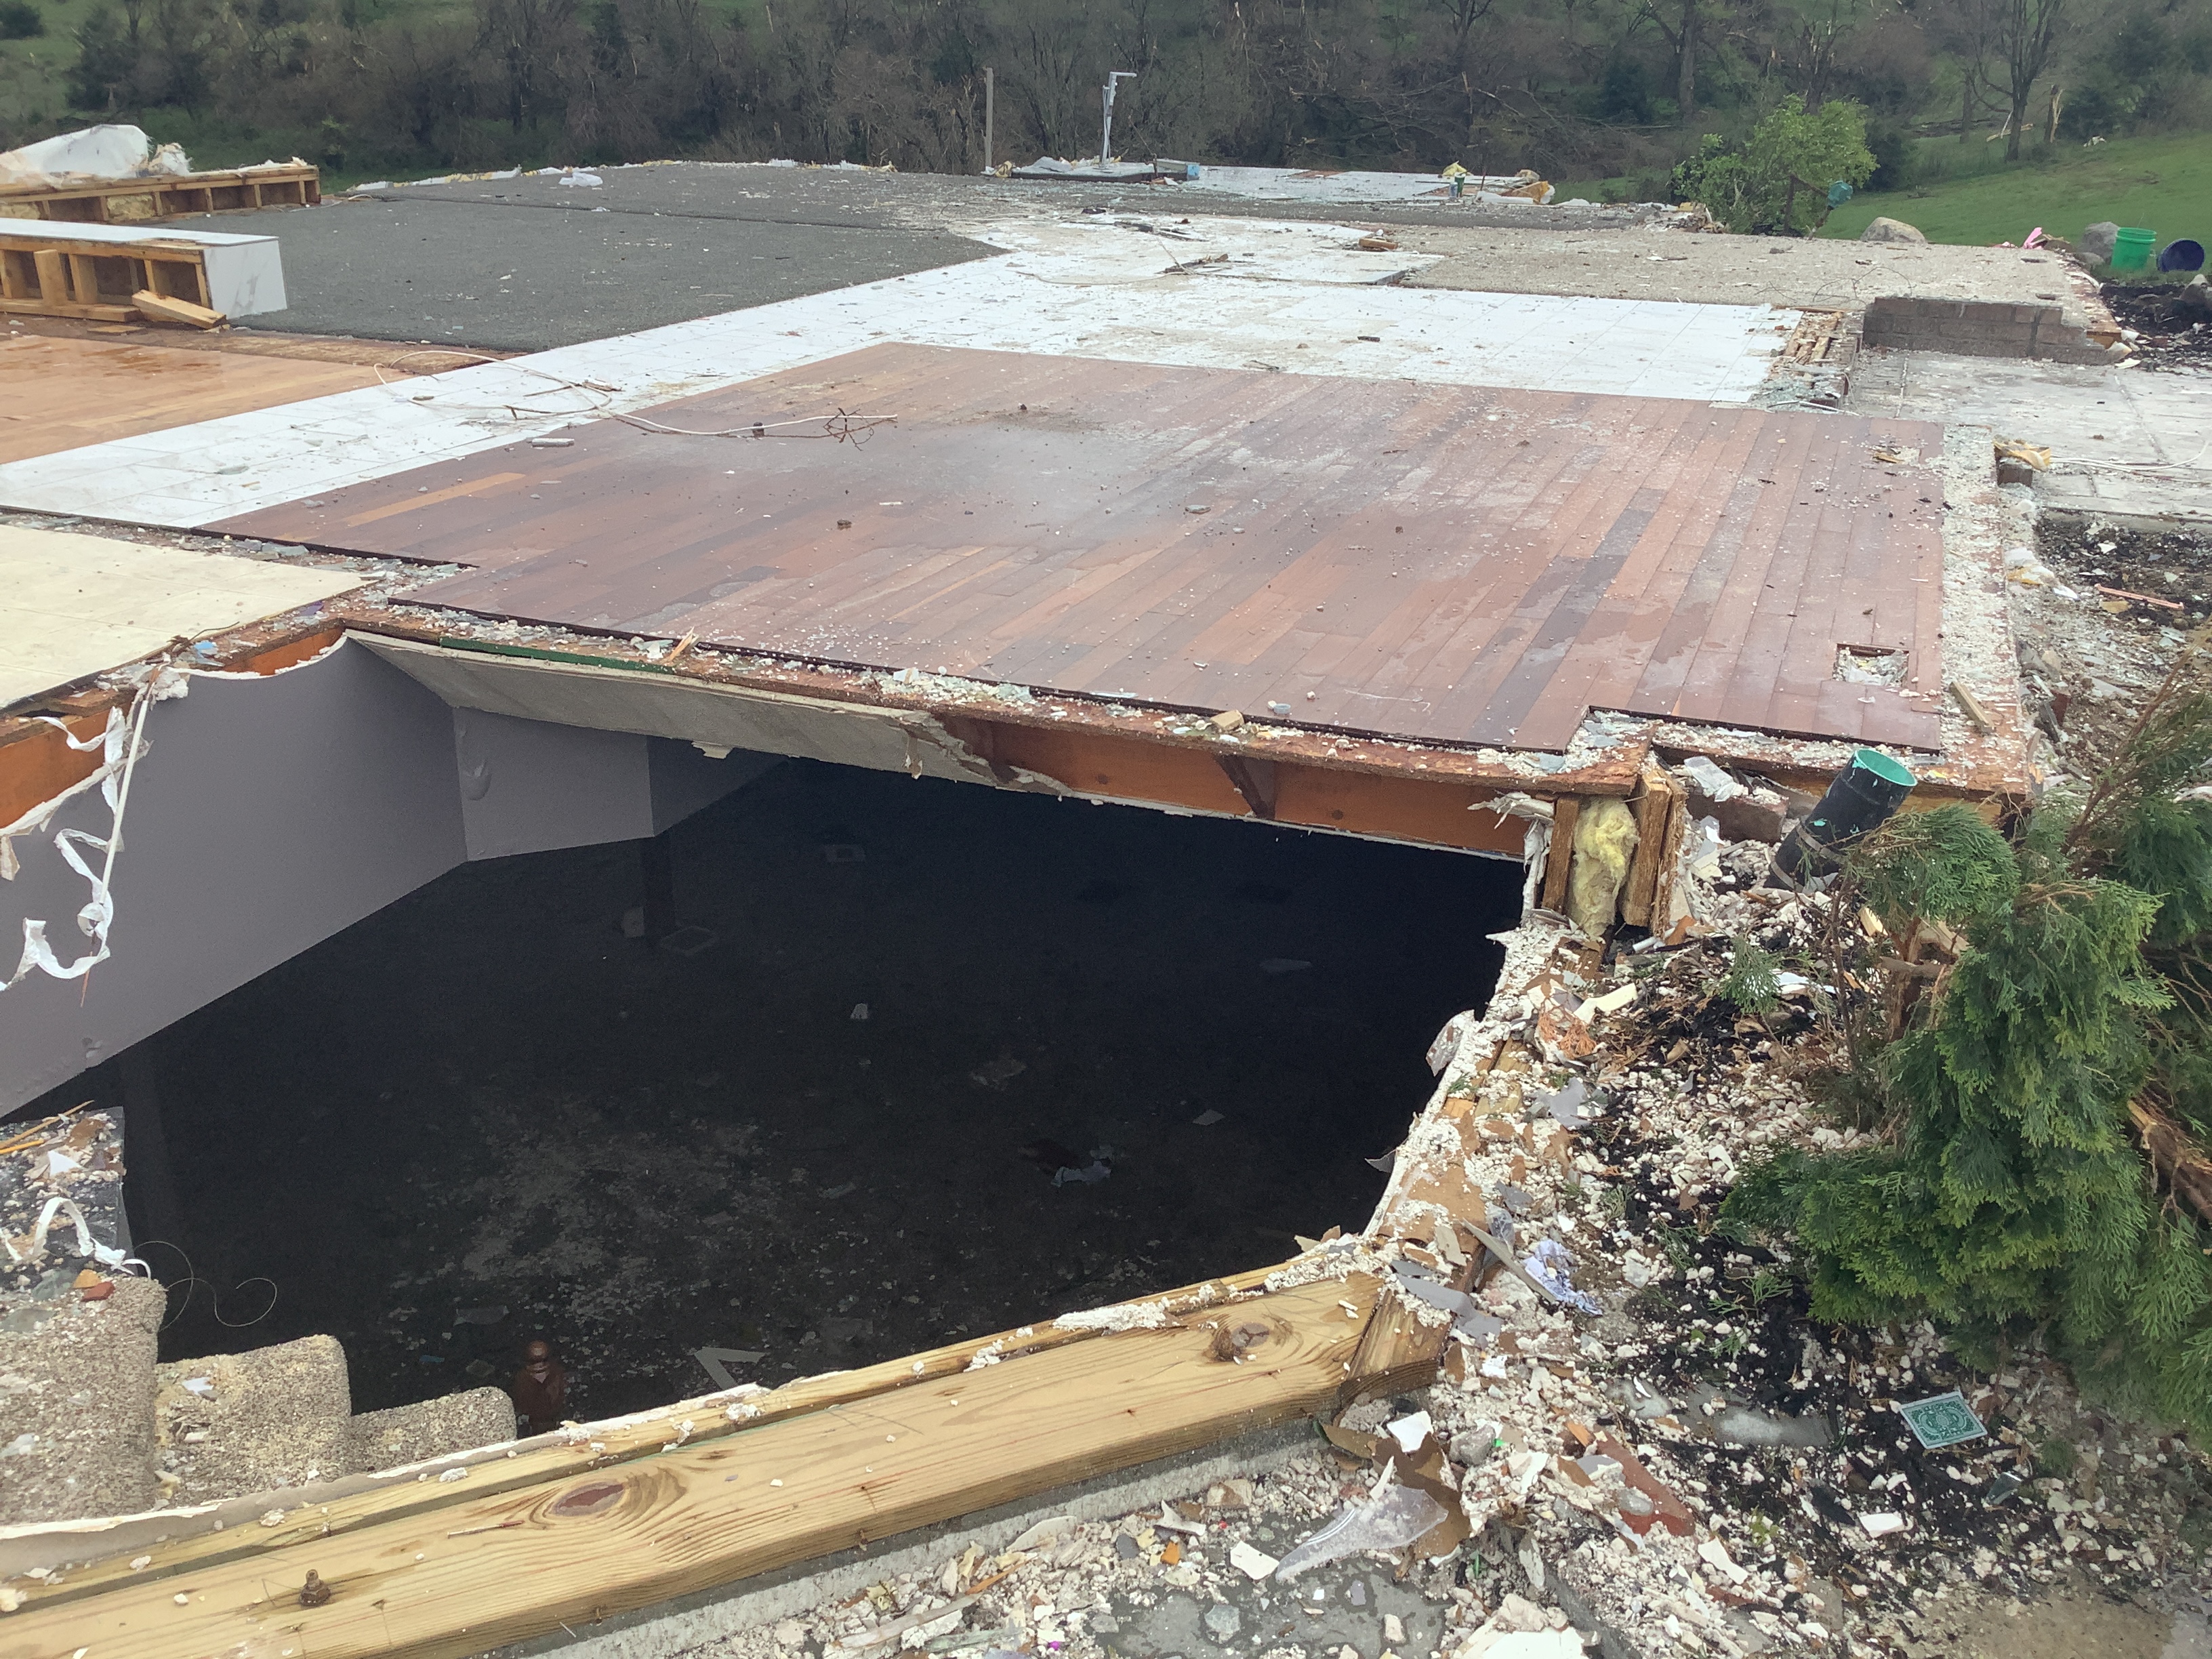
(2167, 325)
(2089, 654)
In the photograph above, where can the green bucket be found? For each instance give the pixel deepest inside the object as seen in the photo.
(2131, 249)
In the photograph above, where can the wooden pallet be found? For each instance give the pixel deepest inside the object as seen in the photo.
(125, 201)
(52, 277)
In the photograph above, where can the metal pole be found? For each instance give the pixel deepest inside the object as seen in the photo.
(1106, 132)
(990, 116)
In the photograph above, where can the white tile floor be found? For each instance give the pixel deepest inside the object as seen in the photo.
(1300, 302)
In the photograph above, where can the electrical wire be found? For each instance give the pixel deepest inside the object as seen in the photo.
(844, 426)
(191, 1280)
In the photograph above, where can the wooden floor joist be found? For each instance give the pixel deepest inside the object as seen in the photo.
(410, 1576)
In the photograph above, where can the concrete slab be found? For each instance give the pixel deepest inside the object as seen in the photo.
(762, 191)
(1350, 188)
(2123, 441)
(1806, 273)
(527, 277)
(1328, 1610)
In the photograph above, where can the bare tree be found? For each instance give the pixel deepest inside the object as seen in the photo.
(528, 38)
(1814, 37)
(1681, 31)
(1968, 30)
(2028, 33)
(1463, 15)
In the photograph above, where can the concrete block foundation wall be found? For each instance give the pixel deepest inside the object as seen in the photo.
(1974, 328)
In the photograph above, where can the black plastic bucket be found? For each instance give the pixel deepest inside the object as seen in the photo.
(1861, 798)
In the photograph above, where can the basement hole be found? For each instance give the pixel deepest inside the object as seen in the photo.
(484, 1114)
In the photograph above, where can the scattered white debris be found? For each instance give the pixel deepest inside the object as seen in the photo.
(1253, 1564)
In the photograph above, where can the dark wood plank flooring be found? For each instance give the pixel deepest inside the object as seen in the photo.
(1444, 563)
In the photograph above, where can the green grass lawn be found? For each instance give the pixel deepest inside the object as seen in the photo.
(2162, 184)
(31, 71)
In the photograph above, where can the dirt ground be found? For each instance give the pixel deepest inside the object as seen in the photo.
(484, 1114)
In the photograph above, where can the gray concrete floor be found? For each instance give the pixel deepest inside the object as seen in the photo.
(1797, 271)
(527, 275)
(2124, 442)
(936, 201)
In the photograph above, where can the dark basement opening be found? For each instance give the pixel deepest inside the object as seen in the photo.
(484, 1114)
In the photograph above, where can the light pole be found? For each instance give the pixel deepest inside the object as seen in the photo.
(1106, 132)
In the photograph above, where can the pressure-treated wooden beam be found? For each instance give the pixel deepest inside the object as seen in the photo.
(498, 1567)
(553, 1458)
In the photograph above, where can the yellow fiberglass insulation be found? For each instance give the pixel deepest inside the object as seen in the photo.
(1605, 841)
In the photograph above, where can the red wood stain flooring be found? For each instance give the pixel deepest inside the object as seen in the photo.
(1443, 564)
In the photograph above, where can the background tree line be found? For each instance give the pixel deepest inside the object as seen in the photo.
(1575, 89)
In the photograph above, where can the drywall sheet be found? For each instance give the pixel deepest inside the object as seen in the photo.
(79, 605)
(269, 813)
(725, 717)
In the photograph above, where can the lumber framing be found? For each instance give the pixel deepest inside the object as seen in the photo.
(441, 1569)
(1659, 804)
(60, 276)
(125, 201)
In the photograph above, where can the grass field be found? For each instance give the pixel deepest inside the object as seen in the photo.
(31, 71)
(2162, 184)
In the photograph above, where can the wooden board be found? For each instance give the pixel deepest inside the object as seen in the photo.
(78, 604)
(548, 1459)
(505, 1566)
(1444, 563)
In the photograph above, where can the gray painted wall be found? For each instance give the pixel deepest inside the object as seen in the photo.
(271, 813)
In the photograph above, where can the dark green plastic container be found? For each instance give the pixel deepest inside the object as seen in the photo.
(1863, 797)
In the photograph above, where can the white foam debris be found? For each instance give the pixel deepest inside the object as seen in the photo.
(1126, 1316)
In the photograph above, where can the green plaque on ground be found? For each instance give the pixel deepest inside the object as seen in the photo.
(1942, 1419)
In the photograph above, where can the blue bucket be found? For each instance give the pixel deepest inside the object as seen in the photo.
(2181, 255)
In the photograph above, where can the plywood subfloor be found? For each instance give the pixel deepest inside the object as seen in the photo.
(57, 394)
(79, 605)
(1447, 563)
